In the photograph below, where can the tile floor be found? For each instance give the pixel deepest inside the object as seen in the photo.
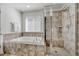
(56, 51)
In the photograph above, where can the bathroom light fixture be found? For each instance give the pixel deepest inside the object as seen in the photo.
(27, 6)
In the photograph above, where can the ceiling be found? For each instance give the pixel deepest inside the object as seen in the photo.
(33, 6)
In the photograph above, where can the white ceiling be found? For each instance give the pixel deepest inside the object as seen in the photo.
(33, 6)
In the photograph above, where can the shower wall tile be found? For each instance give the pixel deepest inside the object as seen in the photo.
(56, 34)
(53, 23)
(69, 29)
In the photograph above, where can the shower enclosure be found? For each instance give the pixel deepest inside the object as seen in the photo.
(60, 29)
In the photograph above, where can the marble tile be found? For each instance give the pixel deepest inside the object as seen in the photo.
(23, 49)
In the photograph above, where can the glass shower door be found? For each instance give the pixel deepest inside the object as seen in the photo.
(48, 29)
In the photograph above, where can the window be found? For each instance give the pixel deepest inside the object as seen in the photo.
(33, 24)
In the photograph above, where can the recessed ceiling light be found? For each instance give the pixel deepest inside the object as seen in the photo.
(27, 6)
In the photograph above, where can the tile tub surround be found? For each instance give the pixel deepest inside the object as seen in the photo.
(10, 48)
(14, 48)
(29, 40)
(35, 34)
(23, 49)
(10, 36)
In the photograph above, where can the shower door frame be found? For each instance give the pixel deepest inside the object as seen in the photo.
(1, 37)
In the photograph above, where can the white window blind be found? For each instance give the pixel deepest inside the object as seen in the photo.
(33, 24)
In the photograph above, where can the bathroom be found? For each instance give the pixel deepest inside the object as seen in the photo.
(48, 30)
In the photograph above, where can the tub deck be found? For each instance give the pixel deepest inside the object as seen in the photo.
(22, 47)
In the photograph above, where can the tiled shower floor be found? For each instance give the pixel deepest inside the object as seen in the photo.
(56, 51)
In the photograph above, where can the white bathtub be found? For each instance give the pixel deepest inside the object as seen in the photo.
(29, 40)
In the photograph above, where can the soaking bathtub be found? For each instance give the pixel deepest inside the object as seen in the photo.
(29, 40)
(23, 46)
